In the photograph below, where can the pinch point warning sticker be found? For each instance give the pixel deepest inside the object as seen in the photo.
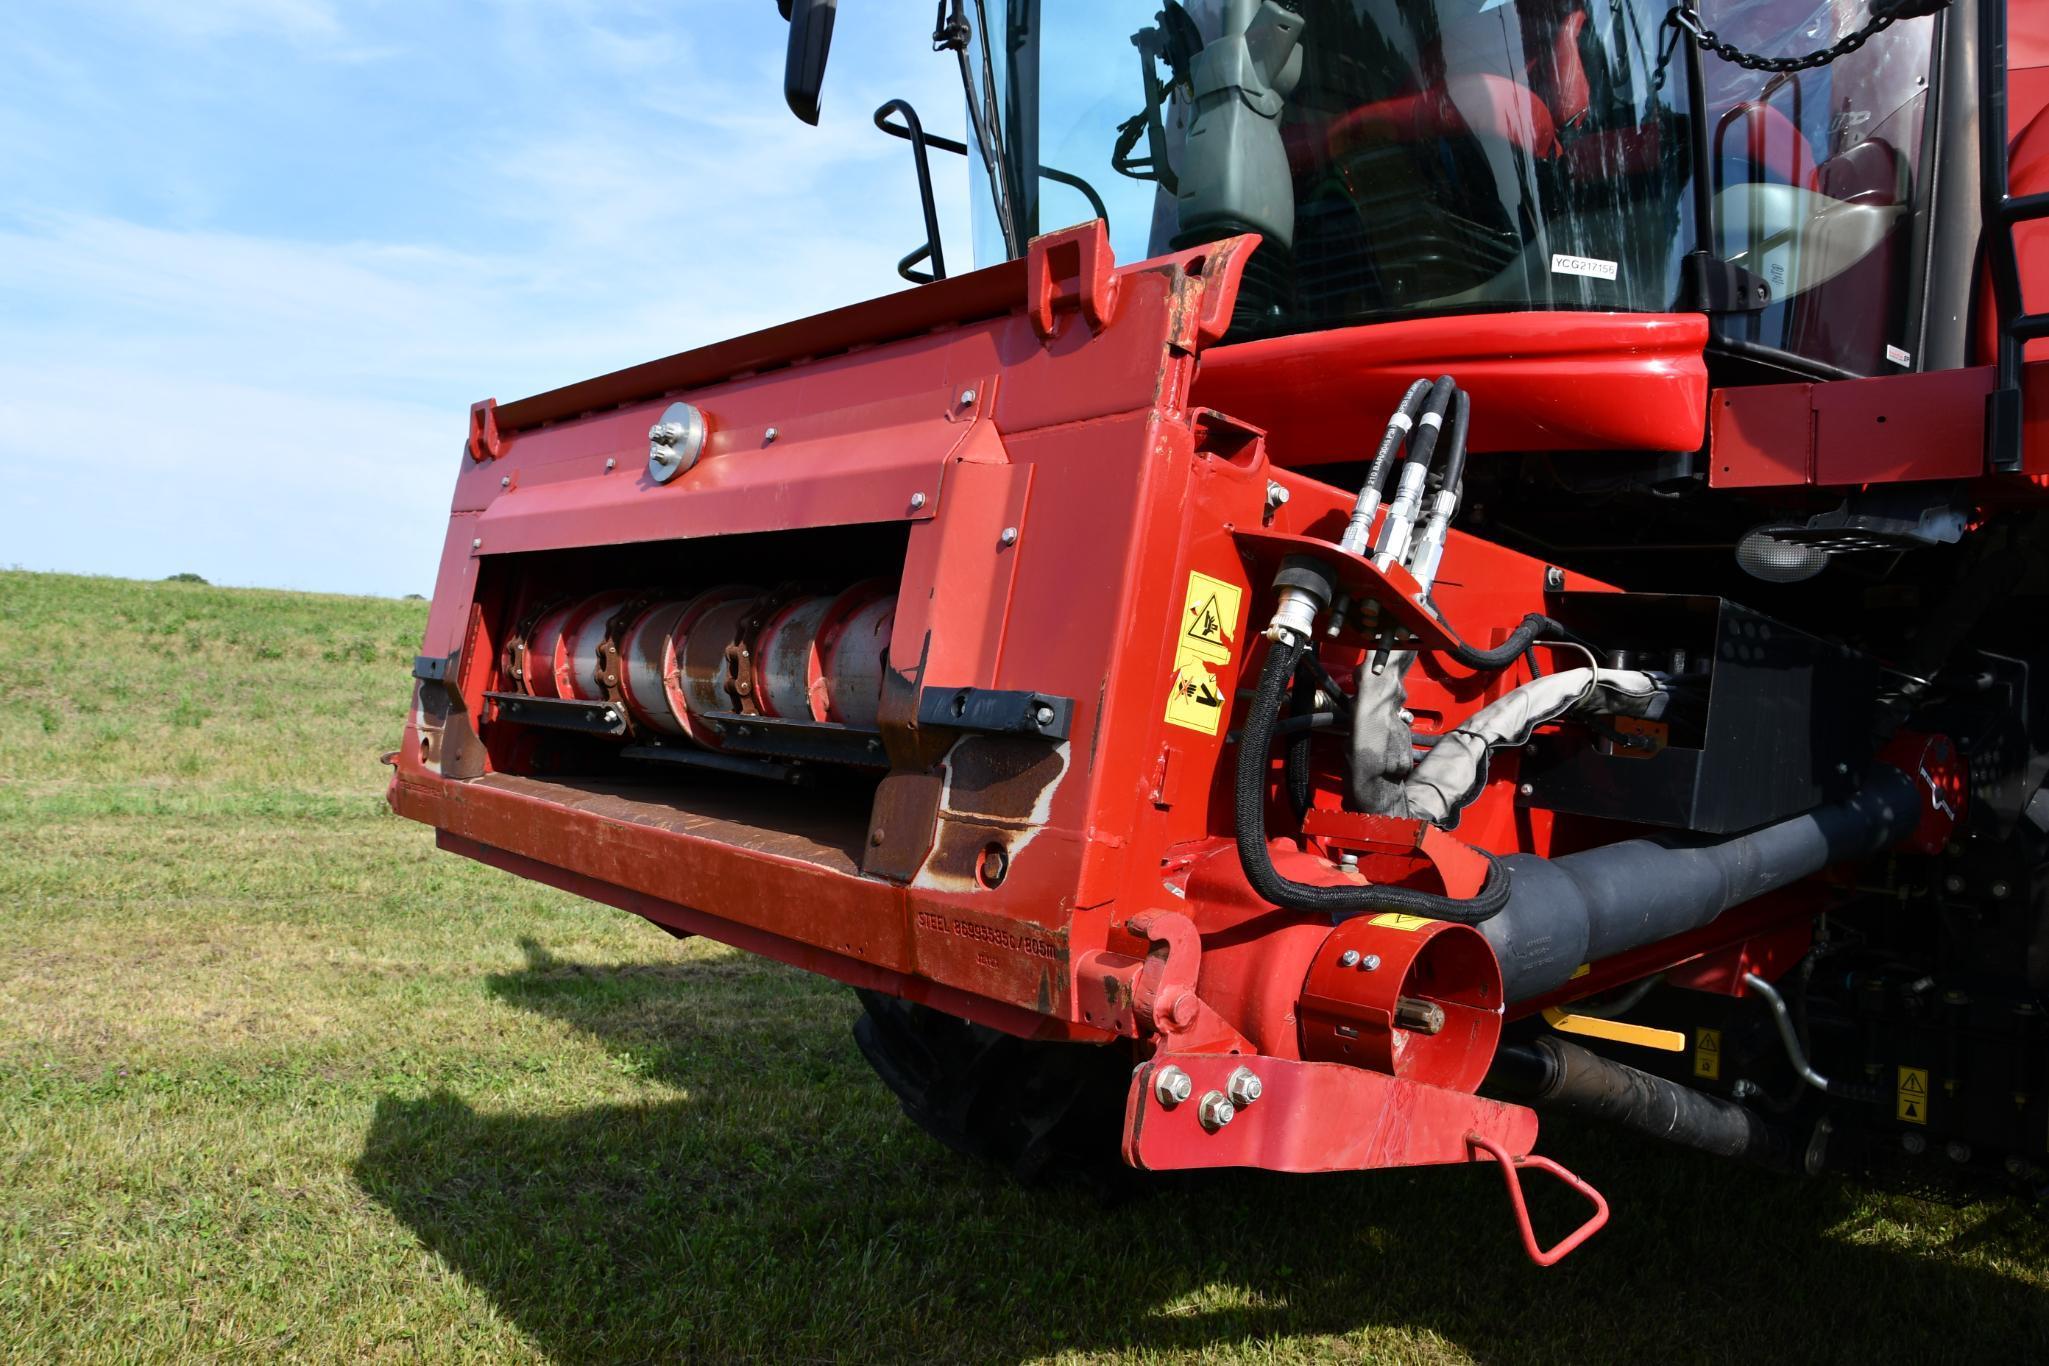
(1707, 1054)
(1207, 628)
(1913, 1095)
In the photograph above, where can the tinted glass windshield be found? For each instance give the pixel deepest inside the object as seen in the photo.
(1419, 156)
(1398, 156)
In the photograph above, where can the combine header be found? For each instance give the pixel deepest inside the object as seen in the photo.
(1527, 596)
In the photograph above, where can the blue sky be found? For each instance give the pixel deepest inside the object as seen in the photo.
(257, 257)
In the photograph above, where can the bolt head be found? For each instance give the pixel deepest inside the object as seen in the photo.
(770, 435)
(1526, 789)
(1216, 1110)
(1276, 494)
(1370, 963)
(1349, 958)
(1243, 1087)
(1171, 1086)
(917, 501)
(477, 544)
(1914, 1144)
(967, 396)
(1009, 536)
(1953, 883)
(1043, 714)
(611, 716)
(610, 463)
(2000, 891)
(506, 482)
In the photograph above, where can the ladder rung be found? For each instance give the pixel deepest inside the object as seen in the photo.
(2030, 327)
(2025, 208)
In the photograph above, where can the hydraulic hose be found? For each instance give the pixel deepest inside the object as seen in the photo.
(1255, 746)
(1455, 447)
(1530, 629)
(1399, 425)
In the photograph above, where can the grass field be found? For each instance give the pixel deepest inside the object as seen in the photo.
(278, 1080)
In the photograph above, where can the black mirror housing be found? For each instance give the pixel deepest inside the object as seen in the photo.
(810, 41)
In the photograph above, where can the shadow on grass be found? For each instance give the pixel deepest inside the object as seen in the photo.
(781, 1207)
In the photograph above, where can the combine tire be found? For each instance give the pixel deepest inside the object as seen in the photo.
(1041, 1111)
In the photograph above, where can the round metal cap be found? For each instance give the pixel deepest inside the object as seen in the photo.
(674, 443)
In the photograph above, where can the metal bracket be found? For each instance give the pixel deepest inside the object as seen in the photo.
(484, 442)
(996, 711)
(1713, 285)
(585, 718)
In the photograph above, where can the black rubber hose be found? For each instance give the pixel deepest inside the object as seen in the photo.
(1429, 433)
(1255, 746)
(1532, 627)
(1455, 452)
(1397, 431)
(1564, 1077)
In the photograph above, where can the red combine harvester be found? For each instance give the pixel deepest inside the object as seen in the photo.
(1529, 595)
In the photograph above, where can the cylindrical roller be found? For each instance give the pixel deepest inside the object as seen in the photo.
(559, 662)
(785, 657)
(577, 663)
(853, 649)
(644, 647)
(701, 672)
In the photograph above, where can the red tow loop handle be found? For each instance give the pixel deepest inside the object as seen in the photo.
(1512, 1168)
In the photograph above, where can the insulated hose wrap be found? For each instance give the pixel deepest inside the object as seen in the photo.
(1255, 747)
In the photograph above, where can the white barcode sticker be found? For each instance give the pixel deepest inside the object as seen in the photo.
(1899, 357)
(1589, 267)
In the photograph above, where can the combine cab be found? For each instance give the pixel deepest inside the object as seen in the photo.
(1526, 596)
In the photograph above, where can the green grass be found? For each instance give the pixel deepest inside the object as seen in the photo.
(278, 1080)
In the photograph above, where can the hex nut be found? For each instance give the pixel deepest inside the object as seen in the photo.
(1216, 1110)
(1171, 1086)
(1243, 1086)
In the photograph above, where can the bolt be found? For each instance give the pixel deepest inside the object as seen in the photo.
(1417, 1015)
(1914, 1144)
(1171, 1086)
(768, 437)
(1216, 1111)
(1526, 789)
(1349, 958)
(1957, 1152)
(506, 482)
(1953, 883)
(1348, 860)
(1009, 536)
(1180, 1012)
(1244, 1086)
(1554, 578)
(477, 544)
(1370, 963)
(1745, 1088)
(665, 433)
(1842, 769)
(1276, 495)
(2000, 891)
(967, 396)
(1043, 714)
(875, 835)
(610, 463)
(611, 716)
(917, 501)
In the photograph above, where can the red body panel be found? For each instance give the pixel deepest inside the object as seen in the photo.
(1530, 375)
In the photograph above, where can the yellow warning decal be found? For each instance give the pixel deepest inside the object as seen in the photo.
(1707, 1054)
(1913, 1095)
(1205, 632)
(1394, 921)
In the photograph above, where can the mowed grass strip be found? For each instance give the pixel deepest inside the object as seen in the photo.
(279, 1080)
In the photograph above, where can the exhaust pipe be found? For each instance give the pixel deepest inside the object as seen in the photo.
(1580, 908)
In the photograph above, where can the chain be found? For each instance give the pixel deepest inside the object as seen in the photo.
(1884, 14)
